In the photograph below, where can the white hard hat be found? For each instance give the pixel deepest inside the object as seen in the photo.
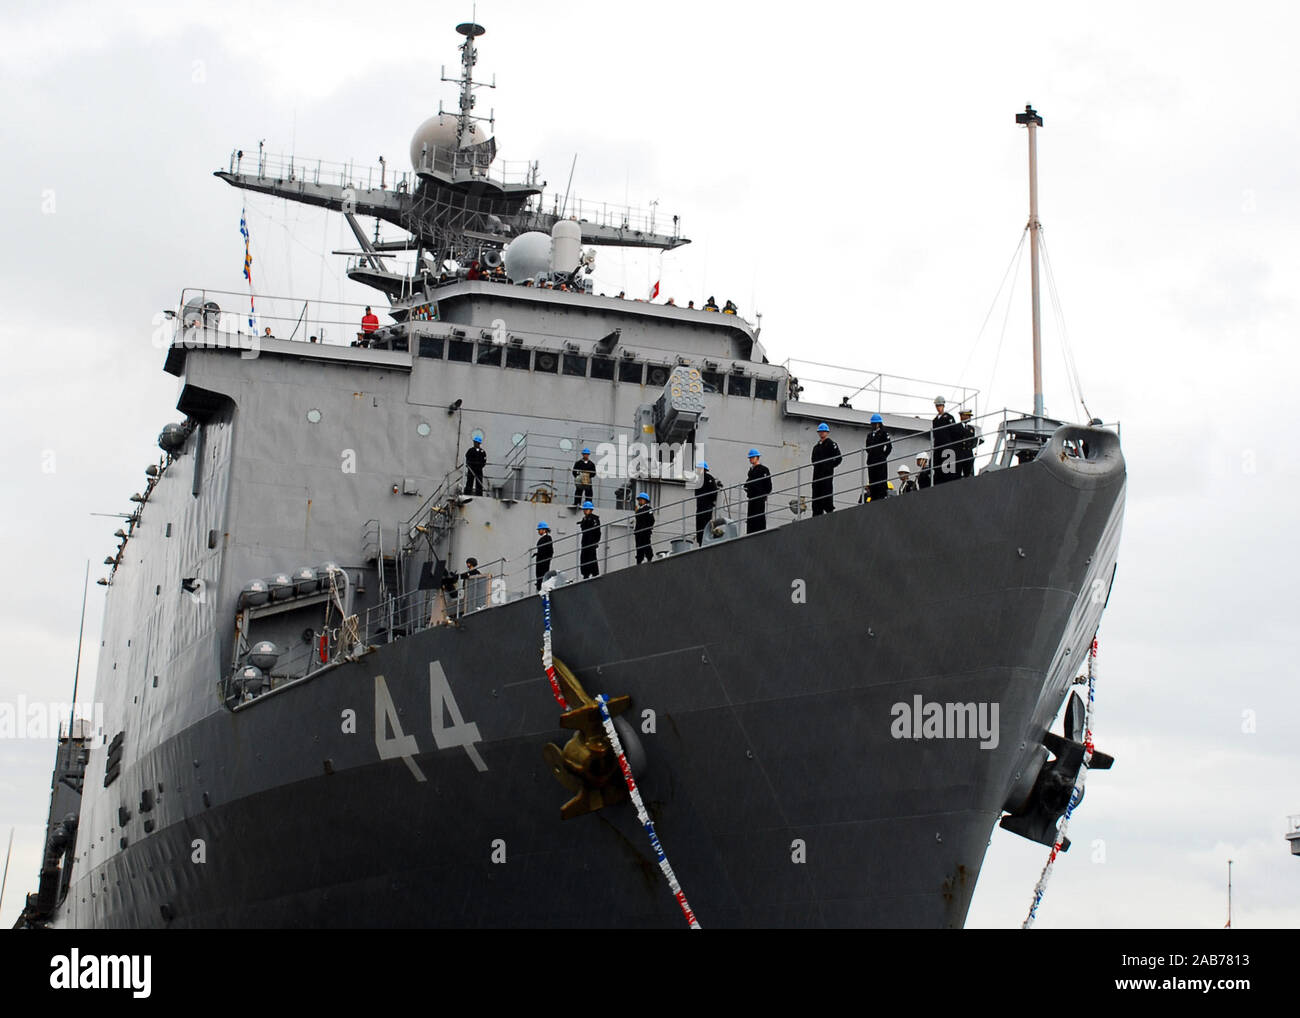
(904, 470)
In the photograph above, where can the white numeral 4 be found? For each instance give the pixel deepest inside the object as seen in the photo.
(399, 745)
(458, 733)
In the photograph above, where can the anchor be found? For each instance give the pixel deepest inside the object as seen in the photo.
(587, 765)
(1034, 815)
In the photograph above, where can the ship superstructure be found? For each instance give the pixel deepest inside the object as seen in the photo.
(301, 673)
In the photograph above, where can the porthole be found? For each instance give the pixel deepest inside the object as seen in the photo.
(422, 429)
(517, 438)
(313, 415)
(566, 444)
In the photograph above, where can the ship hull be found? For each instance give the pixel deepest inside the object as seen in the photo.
(765, 676)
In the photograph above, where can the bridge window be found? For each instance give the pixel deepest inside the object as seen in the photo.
(518, 357)
(630, 371)
(602, 367)
(546, 362)
(657, 374)
(737, 385)
(575, 364)
(460, 350)
(767, 388)
(431, 346)
(712, 381)
(489, 353)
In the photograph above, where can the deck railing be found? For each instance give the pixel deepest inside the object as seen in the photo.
(679, 527)
(832, 385)
(679, 524)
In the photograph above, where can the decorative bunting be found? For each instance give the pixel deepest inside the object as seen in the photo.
(611, 733)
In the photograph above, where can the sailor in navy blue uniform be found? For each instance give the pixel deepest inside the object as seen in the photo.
(966, 447)
(590, 527)
(825, 458)
(878, 449)
(475, 461)
(758, 485)
(643, 525)
(946, 435)
(583, 472)
(706, 497)
(545, 551)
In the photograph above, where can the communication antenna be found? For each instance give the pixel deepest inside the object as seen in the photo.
(468, 58)
(572, 166)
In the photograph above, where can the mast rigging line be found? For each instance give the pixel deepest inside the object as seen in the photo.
(1015, 255)
(567, 187)
(1068, 351)
(81, 632)
(1006, 315)
(4, 881)
(289, 225)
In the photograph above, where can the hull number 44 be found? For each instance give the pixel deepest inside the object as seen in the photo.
(449, 727)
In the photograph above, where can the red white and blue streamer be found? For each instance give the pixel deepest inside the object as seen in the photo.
(1075, 795)
(611, 733)
(547, 663)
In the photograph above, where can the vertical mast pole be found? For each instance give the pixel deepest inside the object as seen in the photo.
(1033, 121)
(1229, 893)
(468, 58)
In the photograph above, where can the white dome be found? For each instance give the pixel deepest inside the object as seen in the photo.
(439, 131)
(527, 256)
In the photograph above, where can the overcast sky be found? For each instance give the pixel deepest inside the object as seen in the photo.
(857, 177)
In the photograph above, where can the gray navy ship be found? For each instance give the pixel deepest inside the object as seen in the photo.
(318, 713)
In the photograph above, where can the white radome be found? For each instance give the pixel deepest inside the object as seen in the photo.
(439, 131)
(527, 256)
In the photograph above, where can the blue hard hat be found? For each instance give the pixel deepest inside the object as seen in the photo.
(703, 465)
(586, 451)
(823, 427)
(588, 505)
(754, 452)
(642, 494)
(543, 525)
(877, 419)
(478, 438)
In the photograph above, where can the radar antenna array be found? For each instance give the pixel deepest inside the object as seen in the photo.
(469, 57)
